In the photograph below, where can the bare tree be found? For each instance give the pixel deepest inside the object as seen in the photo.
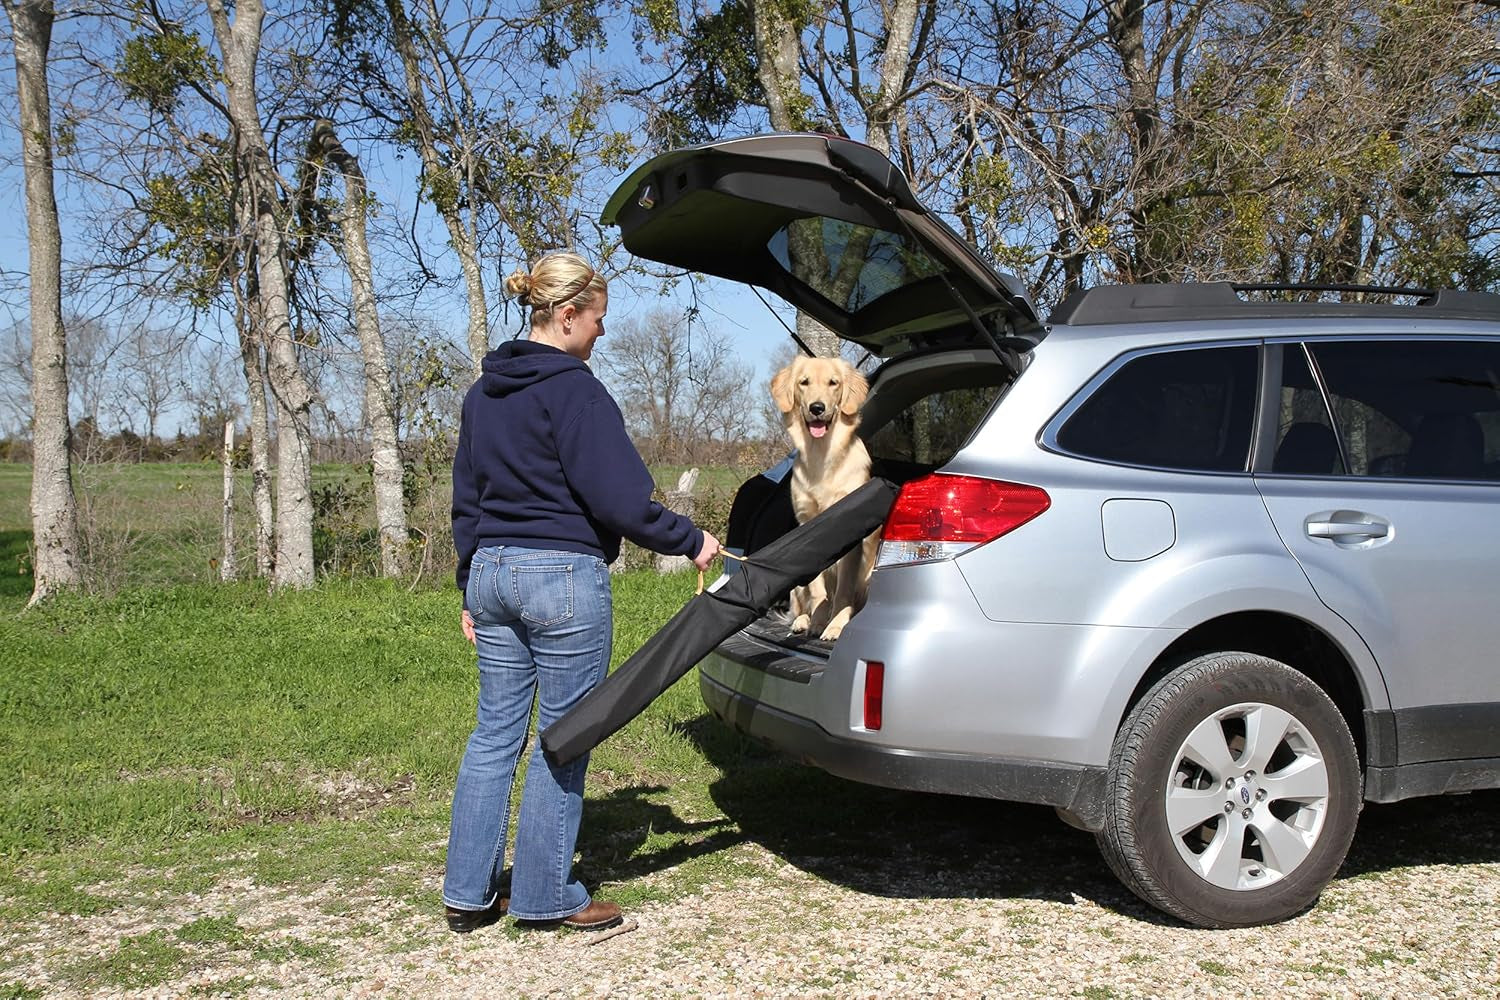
(91, 349)
(430, 374)
(379, 401)
(681, 387)
(191, 232)
(151, 376)
(239, 43)
(445, 181)
(211, 386)
(1184, 140)
(54, 508)
(506, 130)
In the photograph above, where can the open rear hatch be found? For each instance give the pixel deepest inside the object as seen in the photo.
(832, 227)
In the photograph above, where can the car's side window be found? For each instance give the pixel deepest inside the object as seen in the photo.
(1185, 409)
(1416, 409)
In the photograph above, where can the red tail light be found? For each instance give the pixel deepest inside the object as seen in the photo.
(943, 508)
(874, 693)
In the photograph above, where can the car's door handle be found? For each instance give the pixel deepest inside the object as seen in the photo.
(1346, 529)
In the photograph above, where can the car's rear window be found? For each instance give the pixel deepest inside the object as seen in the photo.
(848, 264)
(1185, 409)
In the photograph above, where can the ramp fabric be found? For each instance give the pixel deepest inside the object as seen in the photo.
(708, 619)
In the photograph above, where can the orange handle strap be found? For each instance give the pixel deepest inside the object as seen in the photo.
(726, 555)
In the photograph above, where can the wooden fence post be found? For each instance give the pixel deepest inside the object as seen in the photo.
(227, 568)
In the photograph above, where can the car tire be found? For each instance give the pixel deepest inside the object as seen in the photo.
(1232, 794)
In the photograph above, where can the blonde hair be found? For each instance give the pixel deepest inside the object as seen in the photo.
(556, 280)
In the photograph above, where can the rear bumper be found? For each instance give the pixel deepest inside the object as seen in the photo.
(1076, 788)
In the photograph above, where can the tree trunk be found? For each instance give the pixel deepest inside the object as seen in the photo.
(260, 449)
(380, 406)
(467, 248)
(54, 508)
(240, 45)
(776, 48)
(465, 242)
(1157, 257)
(900, 23)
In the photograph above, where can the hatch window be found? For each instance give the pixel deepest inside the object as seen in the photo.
(848, 264)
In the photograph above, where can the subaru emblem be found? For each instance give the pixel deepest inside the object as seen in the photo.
(1245, 794)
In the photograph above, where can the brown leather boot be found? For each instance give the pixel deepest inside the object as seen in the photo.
(597, 916)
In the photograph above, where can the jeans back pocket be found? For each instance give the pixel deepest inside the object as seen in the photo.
(543, 593)
(481, 595)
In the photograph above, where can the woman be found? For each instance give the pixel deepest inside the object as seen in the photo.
(545, 483)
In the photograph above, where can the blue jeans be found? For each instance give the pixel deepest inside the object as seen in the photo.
(543, 624)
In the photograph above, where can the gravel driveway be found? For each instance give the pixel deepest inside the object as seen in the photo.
(937, 897)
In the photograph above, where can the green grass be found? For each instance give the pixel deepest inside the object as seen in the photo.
(165, 732)
(15, 497)
(162, 740)
(213, 930)
(203, 709)
(167, 712)
(185, 733)
(152, 524)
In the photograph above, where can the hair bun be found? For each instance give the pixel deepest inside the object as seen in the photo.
(520, 284)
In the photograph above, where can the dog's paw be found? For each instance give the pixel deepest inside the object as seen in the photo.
(836, 627)
(801, 624)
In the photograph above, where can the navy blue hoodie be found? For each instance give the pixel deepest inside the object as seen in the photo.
(544, 462)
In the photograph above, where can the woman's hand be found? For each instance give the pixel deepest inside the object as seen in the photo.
(706, 554)
(468, 626)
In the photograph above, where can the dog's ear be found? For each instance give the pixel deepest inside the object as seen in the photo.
(781, 389)
(854, 391)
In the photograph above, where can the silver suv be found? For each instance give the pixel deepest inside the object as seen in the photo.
(1202, 567)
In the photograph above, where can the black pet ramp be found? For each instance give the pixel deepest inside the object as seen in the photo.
(708, 619)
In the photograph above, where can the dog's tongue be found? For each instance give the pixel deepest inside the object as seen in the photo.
(817, 430)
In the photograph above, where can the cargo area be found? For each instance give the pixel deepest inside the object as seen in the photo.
(921, 410)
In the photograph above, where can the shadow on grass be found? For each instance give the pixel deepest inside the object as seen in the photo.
(913, 847)
(15, 566)
(618, 825)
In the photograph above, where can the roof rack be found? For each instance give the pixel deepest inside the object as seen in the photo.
(1223, 300)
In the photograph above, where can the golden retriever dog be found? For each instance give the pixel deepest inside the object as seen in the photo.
(819, 398)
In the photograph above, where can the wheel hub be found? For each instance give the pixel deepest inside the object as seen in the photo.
(1249, 796)
(1245, 794)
